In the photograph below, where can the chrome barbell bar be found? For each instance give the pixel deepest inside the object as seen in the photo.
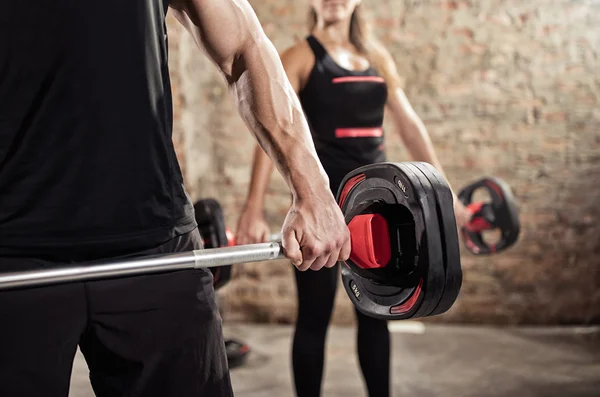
(196, 259)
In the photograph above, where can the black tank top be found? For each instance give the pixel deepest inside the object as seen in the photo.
(345, 112)
(87, 164)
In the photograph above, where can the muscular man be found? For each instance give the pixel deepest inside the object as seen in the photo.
(88, 172)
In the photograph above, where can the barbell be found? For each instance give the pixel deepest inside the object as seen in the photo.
(404, 262)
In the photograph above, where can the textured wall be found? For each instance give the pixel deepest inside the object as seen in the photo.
(505, 88)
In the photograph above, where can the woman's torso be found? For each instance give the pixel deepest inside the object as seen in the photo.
(345, 110)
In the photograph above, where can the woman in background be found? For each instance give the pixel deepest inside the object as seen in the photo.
(345, 79)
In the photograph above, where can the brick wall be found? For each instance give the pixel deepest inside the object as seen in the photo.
(505, 88)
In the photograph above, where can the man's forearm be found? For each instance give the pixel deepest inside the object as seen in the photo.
(271, 109)
(231, 35)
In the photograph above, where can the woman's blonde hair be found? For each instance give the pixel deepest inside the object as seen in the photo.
(362, 38)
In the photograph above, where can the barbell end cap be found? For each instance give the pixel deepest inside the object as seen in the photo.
(277, 250)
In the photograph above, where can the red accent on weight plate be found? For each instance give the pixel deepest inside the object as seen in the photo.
(474, 208)
(358, 79)
(408, 305)
(472, 246)
(358, 132)
(477, 224)
(370, 239)
(349, 185)
(496, 188)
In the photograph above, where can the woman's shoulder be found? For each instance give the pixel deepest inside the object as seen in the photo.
(299, 59)
(300, 51)
(386, 64)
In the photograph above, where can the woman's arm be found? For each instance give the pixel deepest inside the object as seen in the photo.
(415, 137)
(252, 227)
(413, 132)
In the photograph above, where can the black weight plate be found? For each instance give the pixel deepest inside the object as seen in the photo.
(221, 276)
(380, 188)
(237, 353)
(436, 276)
(506, 216)
(449, 237)
(370, 304)
(211, 225)
(372, 292)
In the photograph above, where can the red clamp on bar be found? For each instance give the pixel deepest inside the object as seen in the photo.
(477, 224)
(370, 239)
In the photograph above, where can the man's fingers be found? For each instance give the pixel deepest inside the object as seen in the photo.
(333, 259)
(319, 261)
(346, 248)
(322, 252)
(320, 238)
(309, 255)
(291, 247)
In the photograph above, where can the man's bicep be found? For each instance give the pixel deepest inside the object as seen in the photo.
(221, 27)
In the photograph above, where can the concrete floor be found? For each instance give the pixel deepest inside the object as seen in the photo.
(428, 361)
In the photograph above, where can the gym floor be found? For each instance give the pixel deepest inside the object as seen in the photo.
(428, 361)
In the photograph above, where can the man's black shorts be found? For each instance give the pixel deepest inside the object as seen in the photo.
(151, 335)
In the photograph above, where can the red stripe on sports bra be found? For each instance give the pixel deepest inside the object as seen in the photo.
(358, 132)
(357, 79)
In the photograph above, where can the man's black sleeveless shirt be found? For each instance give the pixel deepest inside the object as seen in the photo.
(345, 112)
(87, 164)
